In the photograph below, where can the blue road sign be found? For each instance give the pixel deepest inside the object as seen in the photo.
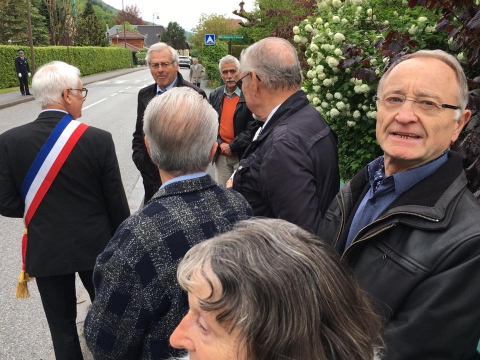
(209, 39)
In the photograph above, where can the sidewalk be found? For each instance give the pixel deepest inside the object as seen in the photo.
(14, 97)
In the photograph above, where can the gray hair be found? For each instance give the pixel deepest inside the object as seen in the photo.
(276, 63)
(51, 79)
(227, 60)
(160, 46)
(447, 59)
(288, 293)
(181, 127)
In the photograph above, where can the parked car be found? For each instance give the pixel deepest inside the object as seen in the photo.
(184, 61)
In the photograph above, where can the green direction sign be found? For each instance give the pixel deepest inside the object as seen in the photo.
(230, 37)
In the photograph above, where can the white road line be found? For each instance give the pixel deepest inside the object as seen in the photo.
(121, 91)
(120, 81)
(128, 88)
(101, 82)
(114, 94)
(98, 102)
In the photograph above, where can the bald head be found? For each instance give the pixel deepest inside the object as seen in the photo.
(275, 62)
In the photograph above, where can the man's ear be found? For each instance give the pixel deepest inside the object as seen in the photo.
(213, 150)
(460, 123)
(147, 145)
(66, 94)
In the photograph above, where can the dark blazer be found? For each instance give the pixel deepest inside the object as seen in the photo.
(138, 301)
(81, 210)
(21, 65)
(291, 171)
(149, 171)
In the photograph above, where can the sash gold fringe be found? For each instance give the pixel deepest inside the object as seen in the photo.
(22, 288)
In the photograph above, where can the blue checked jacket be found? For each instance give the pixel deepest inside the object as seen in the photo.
(138, 302)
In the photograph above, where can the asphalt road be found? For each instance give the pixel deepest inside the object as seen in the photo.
(110, 105)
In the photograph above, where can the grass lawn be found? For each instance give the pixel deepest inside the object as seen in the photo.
(3, 91)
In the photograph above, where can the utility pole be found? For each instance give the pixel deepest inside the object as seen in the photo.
(124, 36)
(30, 37)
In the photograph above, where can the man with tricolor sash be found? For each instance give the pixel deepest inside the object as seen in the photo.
(62, 177)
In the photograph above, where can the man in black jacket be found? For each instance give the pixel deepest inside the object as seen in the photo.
(407, 224)
(290, 171)
(163, 62)
(23, 72)
(236, 123)
(81, 209)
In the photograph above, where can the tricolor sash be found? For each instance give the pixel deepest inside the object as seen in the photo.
(41, 175)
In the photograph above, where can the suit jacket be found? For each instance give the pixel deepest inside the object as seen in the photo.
(149, 171)
(81, 210)
(21, 65)
(138, 301)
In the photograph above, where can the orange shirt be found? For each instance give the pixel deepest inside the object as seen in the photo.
(226, 118)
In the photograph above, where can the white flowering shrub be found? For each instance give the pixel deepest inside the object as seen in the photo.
(342, 32)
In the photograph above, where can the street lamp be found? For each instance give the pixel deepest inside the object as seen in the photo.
(124, 36)
(153, 18)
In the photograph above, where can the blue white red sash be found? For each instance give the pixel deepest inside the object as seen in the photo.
(45, 168)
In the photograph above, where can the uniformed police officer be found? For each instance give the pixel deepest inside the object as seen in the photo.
(23, 72)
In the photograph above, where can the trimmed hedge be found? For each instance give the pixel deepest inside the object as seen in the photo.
(89, 59)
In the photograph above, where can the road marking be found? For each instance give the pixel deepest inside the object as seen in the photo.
(98, 102)
(101, 82)
(121, 91)
(114, 94)
(120, 81)
(128, 88)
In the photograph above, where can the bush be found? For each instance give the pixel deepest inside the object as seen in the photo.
(90, 60)
(342, 46)
(211, 55)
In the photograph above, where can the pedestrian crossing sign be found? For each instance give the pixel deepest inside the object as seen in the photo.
(209, 39)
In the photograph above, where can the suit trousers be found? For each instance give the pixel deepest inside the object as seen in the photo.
(24, 83)
(60, 305)
(224, 168)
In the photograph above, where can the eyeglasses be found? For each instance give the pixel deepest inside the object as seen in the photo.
(162, 64)
(83, 90)
(239, 82)
(231, 71)
(425, 106)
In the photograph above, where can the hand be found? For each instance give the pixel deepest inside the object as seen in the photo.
(19, 75)
(29, 74)
(225, 149)
(229, 183)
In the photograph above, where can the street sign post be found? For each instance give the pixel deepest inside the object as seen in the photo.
(230, 38)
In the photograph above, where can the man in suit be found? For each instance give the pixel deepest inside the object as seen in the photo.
(23, 72)
(163, 63)
(290, 171)
(236, 122)
(139, 302)
(196, 72)
(80, 211)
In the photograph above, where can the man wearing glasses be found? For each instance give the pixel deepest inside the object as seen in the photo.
(290, 171)
(407, 224)
(236, 123)
(62, 177)
(163, 63)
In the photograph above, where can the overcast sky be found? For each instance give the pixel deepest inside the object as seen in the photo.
(185, 12)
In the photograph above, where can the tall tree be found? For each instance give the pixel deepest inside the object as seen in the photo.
(210, 24)
(130, 14)
(89, 31)
(174, 35)
(60, 16)
(13, 24)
